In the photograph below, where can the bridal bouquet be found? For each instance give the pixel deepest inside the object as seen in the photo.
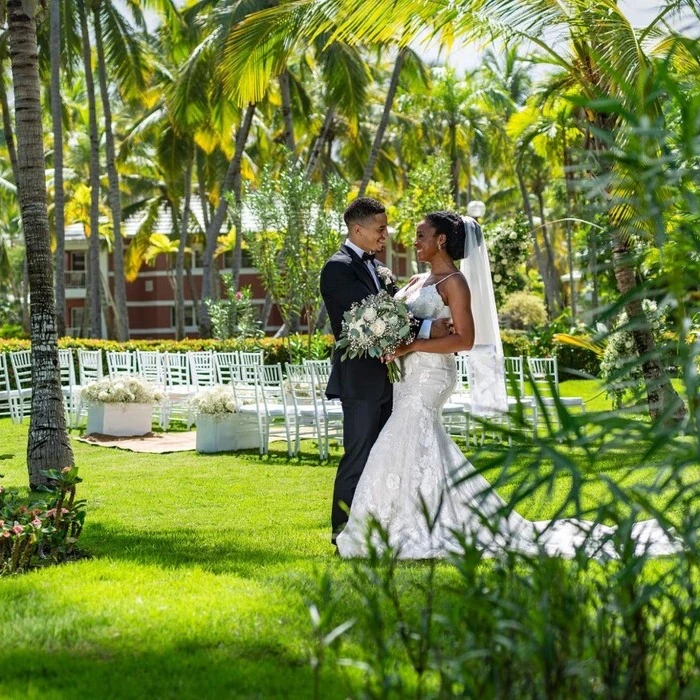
(376, 327)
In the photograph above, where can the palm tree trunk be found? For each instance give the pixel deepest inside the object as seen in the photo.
(122, 313)
(661, 396)
(95, 309)
(538, 253)
(454, 163)
(48, 446)
(7, 127)
(59, 195)
(320, 142)
(202, 185)
(568, 175)
(554, 280)
(287, 115)
(180, 258)
(379, 136)
(218, 220)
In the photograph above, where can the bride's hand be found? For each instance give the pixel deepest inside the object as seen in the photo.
(399, 352)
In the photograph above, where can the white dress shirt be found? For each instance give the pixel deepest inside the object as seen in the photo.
(424, 330)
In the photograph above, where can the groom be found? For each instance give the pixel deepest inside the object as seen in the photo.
(361, 384)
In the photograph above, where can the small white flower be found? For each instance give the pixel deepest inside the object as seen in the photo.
(497, 278)
(513, 236)
(385, 274)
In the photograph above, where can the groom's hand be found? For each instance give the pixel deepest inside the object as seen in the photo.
(440, 328)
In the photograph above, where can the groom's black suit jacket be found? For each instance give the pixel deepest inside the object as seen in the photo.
(345, 279)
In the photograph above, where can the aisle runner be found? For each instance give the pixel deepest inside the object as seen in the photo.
(155, 443)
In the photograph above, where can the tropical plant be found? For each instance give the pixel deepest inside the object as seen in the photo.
(234, 316)
(297, 227)
(523, 311)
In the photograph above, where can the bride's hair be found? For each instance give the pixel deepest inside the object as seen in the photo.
(452, 226)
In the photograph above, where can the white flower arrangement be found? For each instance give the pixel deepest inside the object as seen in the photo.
(385, 274)
(128, 388)
(215, 401)
(371, 329)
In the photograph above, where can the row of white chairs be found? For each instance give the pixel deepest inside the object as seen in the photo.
(286, 403)
(183, 374)
(173, 371)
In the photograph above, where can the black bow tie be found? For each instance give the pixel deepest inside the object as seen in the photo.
(368, 256)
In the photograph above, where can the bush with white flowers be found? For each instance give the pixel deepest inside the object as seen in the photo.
(620, 368)
(509, 247)
(215, 401)
(121, 389)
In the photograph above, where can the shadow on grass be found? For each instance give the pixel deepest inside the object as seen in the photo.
(211, 550)
(188, 668)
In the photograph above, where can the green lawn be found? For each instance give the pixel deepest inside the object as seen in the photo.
(197, 586)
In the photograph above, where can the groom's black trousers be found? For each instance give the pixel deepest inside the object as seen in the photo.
(362, 423)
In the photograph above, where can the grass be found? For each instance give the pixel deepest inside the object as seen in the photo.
(201, 570)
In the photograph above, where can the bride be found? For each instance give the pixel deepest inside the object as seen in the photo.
(417, 484)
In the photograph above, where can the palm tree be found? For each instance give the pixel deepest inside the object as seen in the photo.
(94, 292)
(48, 445)
(59, 195)
(125, 50)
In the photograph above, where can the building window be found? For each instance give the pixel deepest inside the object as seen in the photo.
(246, 259)
(197, 258)
(76, 320)
(190, 317)
(77, 261)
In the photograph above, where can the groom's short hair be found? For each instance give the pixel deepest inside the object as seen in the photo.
(361, 209)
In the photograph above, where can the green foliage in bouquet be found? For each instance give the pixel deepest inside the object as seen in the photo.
(374, 328)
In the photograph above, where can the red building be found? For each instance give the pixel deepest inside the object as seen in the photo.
(151, 296)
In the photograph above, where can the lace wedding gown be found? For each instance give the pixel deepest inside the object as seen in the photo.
(415, 467)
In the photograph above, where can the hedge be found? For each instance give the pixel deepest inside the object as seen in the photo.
(572, 360)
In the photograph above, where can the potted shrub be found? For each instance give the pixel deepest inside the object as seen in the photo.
(220, 427)
(120, 406)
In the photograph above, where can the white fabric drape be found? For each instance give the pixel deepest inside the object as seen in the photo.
(487, 385)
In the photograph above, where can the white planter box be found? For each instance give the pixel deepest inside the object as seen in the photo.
(226, 433)
(119, 419)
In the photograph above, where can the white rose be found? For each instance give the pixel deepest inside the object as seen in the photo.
(497, 278)
(513, 236)
(369, 315)
(378, 327)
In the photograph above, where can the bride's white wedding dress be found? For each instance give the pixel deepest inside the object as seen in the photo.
(415, 467)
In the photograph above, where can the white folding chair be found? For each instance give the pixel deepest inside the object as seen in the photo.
(515, 386)
(331, 411)
(456, 412)
(69, 387)
(318, 363)
(89, 370)
(274, 415)
(151, 366)
(544, 375)
(21, 361)
(178, 389)
(122, 362)
(251, 358)
(202, 369)
(308, 412)
(9, 397)
(89, 366)
(222, 364)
